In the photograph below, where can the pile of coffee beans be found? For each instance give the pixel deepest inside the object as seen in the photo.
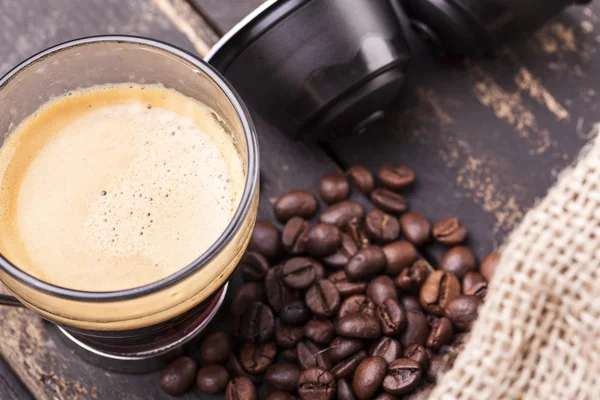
(341, 304)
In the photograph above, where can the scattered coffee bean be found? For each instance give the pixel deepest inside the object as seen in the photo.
(416, 228)
(389, 201)
(488, 266)
(235, 367)
(392, 317)
(323, 240)
(403, 376)
(254, 266)
(310, 356)
(323, 299)
(342, 348)
(421, 393)
(256, 357)
(381, 288)
(343, 254)
(439, 288)
(278, 293)
(396, 177)
(417, 329)
(301, 272)
(346, 368)
(362, 178)
(358, 325)
(344, 286)
(449, 232)
(334, 188)
(289, 355)
(462, 311)
(411, 279)
(339, 214)
(459, 260)
(441, 334)
(246, 295)
(283, 376)
(381, 227)
(399, 255)
(296, 203)
(319, 331)
(179, 376)
(411, 303)
(215, 348)
(266, 239)
(344, 390)
(473, 283)
(368, 377)
(418, 353)
(437, 367)
(356, 230)
(280, 395)
(295, 313)
(212, 379)
(316, 384)
(293, 236)
(366, 262)
(386, 396)
(387, 348)
(287, 336)
(241, 388)
(257, 324)
(357, 304)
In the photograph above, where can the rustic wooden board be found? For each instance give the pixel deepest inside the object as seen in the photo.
(224, 14)
(11, 387)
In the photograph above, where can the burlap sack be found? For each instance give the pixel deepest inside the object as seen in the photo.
(538, 333)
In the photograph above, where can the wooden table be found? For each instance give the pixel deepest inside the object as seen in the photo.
(486, 139)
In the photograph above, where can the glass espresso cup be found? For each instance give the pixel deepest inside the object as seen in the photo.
(153, 319)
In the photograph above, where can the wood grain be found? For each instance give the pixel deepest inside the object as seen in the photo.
(224, 14)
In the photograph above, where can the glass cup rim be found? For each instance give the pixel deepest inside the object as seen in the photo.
(234, 225)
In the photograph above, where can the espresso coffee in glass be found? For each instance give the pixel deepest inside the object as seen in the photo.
(128, 192)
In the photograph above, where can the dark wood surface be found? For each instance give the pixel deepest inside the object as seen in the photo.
(486, 138)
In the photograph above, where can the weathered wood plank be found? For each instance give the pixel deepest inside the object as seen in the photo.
(11, 387)
(224, 14)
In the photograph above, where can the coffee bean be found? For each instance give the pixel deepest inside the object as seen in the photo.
(392, 317)
(345, 287)
(418, 353)
(411, 279)
(241, 388)
(235, 367)
(323, 240)
(462, 311)
(293, 236)
(403, 376)
(396, 177)
(488, 266)
(287, 336)
(310, 356)
(341, 348)
(449, 232)
(387, 348)
(381, 227)
(399, 255)
(459, 260)
(257, 324)
(362, 178)
(357, 304)
(212, 379)
(289, 355)
(301, 272)
(283, 376)
(344, 390)
(256, 357)
(266, 239)
(254, 266)
(346, 368)
(323, 298)
(296, 203)
(334, 188)
(278, 293)
(416, 228)
(441, 334)
(340, 258)
(320, 332)
(316, 384)
(439, 288)
(295, 313)
(389, 201)
(386, 396)
(215, 348)
(280, 395)
(473, 283)
(359, 326)
(339, 214)
(417, 329)
(422, 392)
(411, 303)
(380, 289)
(367, 261)
(437, 368)
(368, 377)
(356, 230)
(246, 295)
(177, 378)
